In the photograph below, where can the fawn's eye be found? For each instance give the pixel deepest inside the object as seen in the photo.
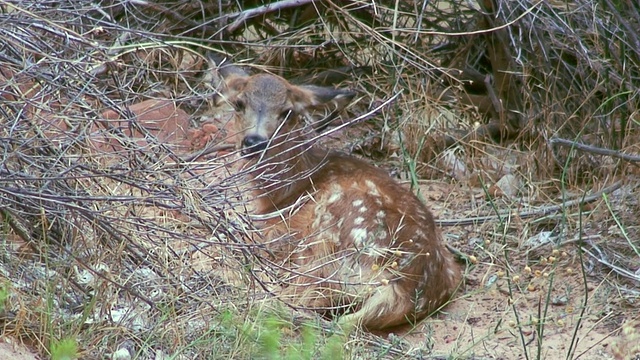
(239, 105)
(285, 114)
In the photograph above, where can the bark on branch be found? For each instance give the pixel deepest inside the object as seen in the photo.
(594, 149)
(261, 10)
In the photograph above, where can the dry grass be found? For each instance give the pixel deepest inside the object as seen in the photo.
(135, 241)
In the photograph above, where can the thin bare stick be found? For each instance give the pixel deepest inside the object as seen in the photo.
(594, 149)
(261, 10)
(529, 214)
(208, 150)
(602, 260)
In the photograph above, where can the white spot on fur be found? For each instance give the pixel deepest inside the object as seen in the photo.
(334, 197)
(357, 203)
(363, 209)
(380, 214)
(358, 221)
(374, 251)
(333, 237)
(444, 293)
(358, 235)
(381, 235)
(373, 188)
(327, 218)
(336, 194)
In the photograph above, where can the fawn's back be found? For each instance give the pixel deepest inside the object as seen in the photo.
(352, 240)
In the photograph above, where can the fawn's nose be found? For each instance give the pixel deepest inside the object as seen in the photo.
(251, 144)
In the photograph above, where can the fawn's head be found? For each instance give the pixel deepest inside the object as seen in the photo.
(271, 111)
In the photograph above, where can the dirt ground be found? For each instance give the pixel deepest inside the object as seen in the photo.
(11, 350)
(497, 314)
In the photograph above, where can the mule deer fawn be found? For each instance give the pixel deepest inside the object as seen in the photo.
(353, 240)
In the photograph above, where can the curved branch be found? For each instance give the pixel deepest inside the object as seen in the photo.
(261, 10)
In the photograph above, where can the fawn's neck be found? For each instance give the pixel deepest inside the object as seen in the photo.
(285, 173)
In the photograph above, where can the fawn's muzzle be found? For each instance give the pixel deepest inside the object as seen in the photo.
(252, 144)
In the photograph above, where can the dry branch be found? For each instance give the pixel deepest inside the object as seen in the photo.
(242, 16)
(594, 149)
(532, 213)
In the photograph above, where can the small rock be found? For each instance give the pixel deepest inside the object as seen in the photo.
(209, 128)
(121, 354)
(508, 186)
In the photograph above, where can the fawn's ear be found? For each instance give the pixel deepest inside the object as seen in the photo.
(224, 67)
(228, 79)
(319, 104)
(316, 97)
(232, 86)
